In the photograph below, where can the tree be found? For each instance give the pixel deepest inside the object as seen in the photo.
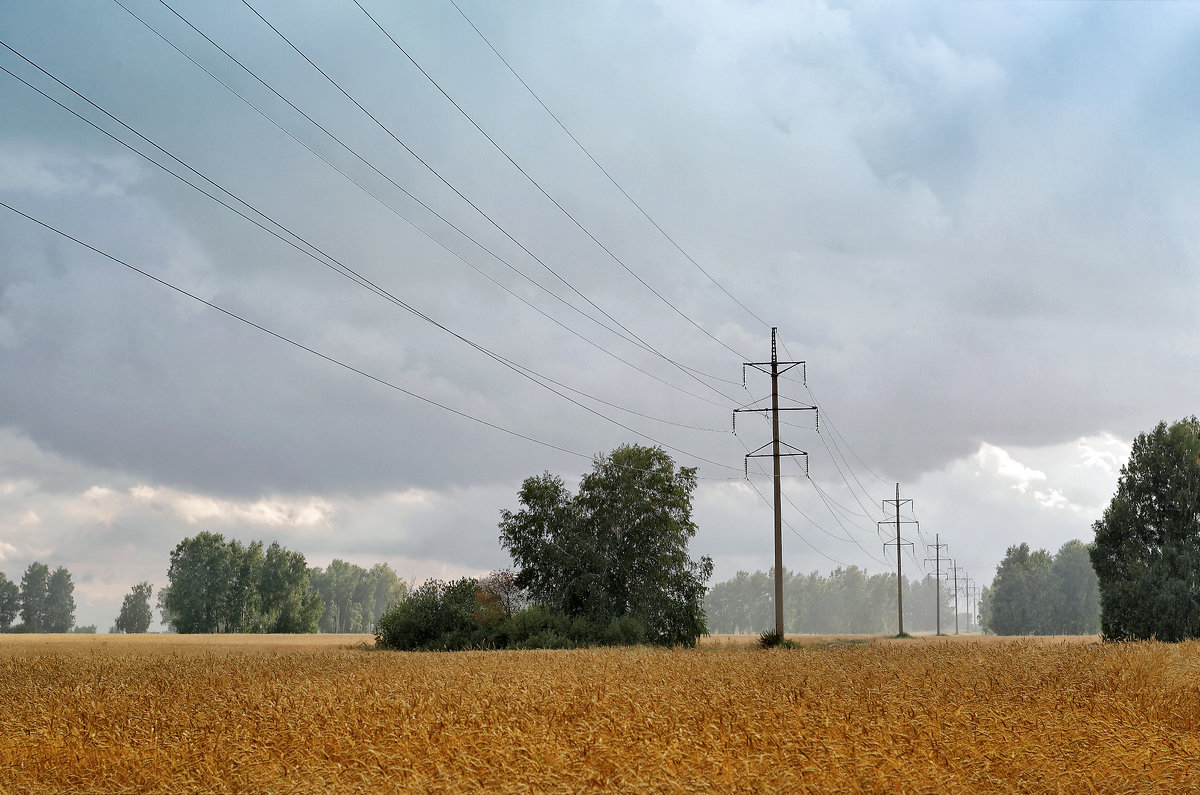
(60, 602)
(287, 603)
(219, 586)
(1022, 598)
(338, 585)
(198, 583)
(34, 586)
(1147, 548)
(437, 616)
(242, 608)
(388, 589)
(135, 613)
(10, 602)
(617, 549)
(1035, 593)
(1077, 608)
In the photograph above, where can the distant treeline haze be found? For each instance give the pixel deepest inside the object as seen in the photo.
(848, 601)
(1033, 593)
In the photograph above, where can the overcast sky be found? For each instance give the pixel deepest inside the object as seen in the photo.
(976, 223)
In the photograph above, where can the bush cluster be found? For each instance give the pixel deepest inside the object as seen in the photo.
(459, 615)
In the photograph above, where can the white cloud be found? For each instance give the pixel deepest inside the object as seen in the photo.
(1054, 498)
(46, 175)
(1105, 452)
(932, 63)
(294, 512)
(996, 461)
(1022, 478)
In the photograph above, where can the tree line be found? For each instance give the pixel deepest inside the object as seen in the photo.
(1036, 593)
(847, 601)
(215, 585)
(45, 601)
(608, 564)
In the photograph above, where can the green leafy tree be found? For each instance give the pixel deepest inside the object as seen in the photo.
(617, 549)
(242, 607)
(60, 602)
(135, 615)
(354, 598)
(10, 602)
(1146, 552)
(731, 606)
(1023, 593)
(985, 608)
(1077, 609)
(220, 586)
(34, 591)
(387, 590)
(337, 586)
(286, 602)
(199, 580)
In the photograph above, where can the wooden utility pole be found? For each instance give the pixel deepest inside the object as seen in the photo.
(899, 567)
(937, 583)
(776, 368)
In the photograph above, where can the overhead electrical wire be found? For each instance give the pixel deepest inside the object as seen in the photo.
(332, 263)
(788, 525)
(691, 372)
(833, 427)
(399, 187)
(833, 459)
(826, 499)
(813, 522)
(525, 173)
(602, 169)
(284, 338)
(532, 375)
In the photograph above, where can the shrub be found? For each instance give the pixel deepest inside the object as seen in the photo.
(437, 616)
(772, 639)
(464, 614)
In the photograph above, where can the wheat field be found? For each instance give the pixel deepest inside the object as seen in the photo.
(320, 713)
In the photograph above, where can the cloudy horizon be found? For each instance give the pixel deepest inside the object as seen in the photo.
(974, 223)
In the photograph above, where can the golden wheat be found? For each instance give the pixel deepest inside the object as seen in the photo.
(155, 714)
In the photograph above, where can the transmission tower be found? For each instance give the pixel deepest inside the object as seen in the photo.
(937, 583)
(775, 368)
(955, 569)
(899, 569)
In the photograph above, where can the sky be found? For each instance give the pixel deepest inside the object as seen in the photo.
(343, 275)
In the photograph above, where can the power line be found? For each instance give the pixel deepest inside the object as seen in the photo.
(605, 171)
(538, 185)
(849, 537)
(403, 190)
(332, 360)
(833, 426)
(283, 338)
(388, 131)
(335, 265)
(789, 527)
